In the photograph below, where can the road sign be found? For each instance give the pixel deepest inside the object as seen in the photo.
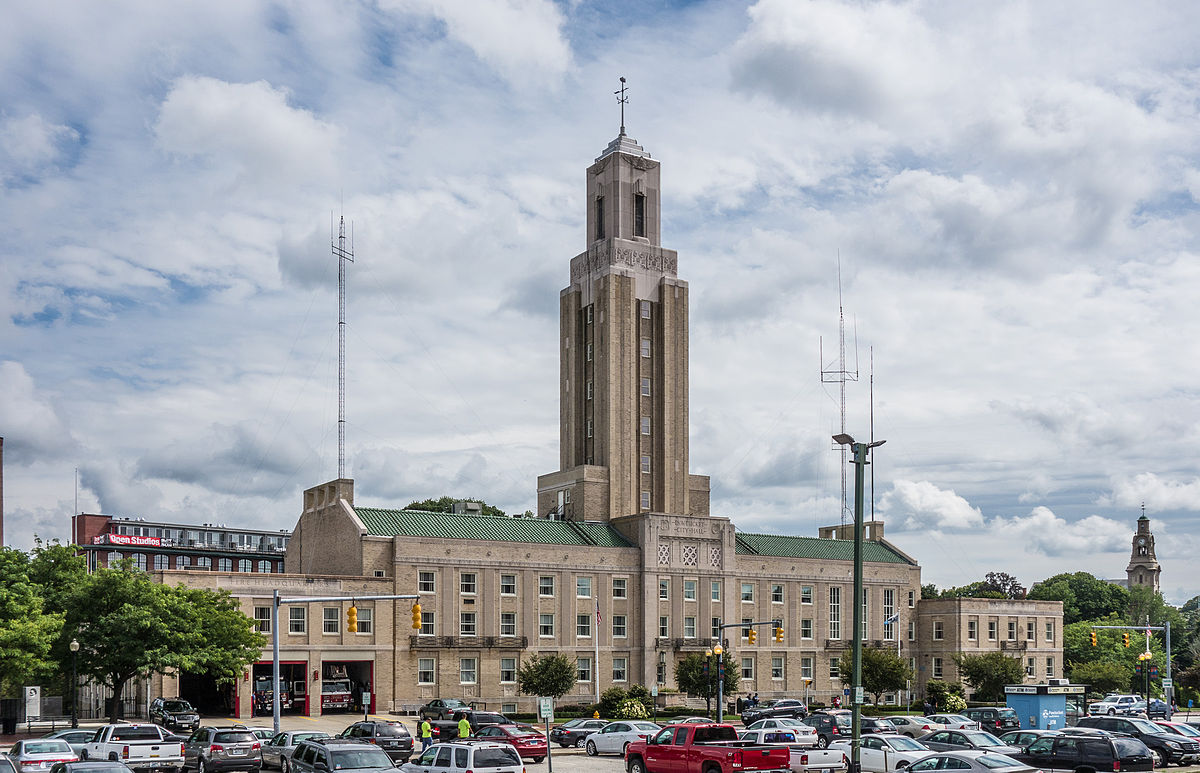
(1168, 683)
(546, 709)
(654, 691)
(858, 695)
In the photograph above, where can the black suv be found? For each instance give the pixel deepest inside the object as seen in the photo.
(1171, 748)
(1086, 752)
(995, 720)
(221, 749)
(322, 755)
(779, 707)
(392, 737)
(174, 714)
(447, 729)
(441, 708)
(829, 727)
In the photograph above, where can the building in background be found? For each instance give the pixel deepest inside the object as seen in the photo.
(160, 545)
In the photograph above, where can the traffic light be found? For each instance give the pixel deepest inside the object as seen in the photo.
(1125, 638)
(1093, 638)
(416, 614)
(779, 633)
(753, 636)
(352, 619)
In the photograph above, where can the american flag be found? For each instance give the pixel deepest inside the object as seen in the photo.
(599, 617)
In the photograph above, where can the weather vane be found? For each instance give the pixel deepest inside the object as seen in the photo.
(622, 100)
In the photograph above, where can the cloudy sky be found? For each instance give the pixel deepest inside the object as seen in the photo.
(1013, 190)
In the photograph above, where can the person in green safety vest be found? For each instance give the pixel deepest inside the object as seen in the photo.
(464, 727)
(426, 729)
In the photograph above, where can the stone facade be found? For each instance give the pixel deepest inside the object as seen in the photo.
(1143, 569)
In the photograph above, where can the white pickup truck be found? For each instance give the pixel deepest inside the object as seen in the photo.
(140, 747)
(884, 752)
(806, 757)
(1115, 703)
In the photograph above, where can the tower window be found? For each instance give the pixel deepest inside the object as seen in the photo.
(646, 463)
(589, 314)
(639, 214)
(645, 309)
(589, 352)
(589, 428)
(589, 390)
(645, 500)
(645, 387)
(599, 217)
(645, 425)
(645, 347)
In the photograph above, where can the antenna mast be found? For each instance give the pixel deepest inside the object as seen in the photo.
(343, 254)
(840, 377)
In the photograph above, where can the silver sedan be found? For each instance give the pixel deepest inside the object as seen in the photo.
(615, 736)
(277, 751)
(980, 762)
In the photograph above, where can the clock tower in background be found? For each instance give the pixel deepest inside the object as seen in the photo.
(1143, 567)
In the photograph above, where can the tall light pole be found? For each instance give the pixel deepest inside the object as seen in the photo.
(720, 653)
(860, 451)
(74, 647)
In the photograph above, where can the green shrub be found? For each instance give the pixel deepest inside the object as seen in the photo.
(610, 699)
(631, 708)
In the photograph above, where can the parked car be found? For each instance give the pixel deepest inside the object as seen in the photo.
(392, 737)
(529, 745)
(575, 732)
(614, 737)
(1022, 738)
(322, 755)
(1157, 709)
(957, 740)
(914, 727)
(1180, 728)
(804, 757)
(212, 749)
(776, 707)
(277, 752)
(1096, 753)
(955, 721)
(41, 753)
(702, 749)
(6, 764)
(786, 723)
(441, 708)
(1171, 748)
(1115, 703)
(885, 753)
(140, 747)
(77, 738)
(994, 719)
(967, 761)
(830, 727)
(447, 729)
(463, 757)
(87, 767)
(174, 714)
(875, 725)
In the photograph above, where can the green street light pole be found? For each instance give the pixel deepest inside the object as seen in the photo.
(860, 451)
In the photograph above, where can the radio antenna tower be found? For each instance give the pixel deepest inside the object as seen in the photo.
(840, 376)
(343, 254)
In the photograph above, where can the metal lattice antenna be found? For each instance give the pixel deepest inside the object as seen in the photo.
(343, 254)
(622, 100)
(840, 377)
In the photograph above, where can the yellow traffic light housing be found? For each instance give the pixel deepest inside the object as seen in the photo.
(779, 634)
(753, 636)
(1093, 638)
(1125, 638)
(352, 619)
(416, 616)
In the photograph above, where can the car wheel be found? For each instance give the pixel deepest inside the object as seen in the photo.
(822, 743)
(1111, 712)
(637, 766)
(283, 765)
(591, 749)
(538, 759)
(580, 742)
(199, 765)
(83, 756)
(1154, 755)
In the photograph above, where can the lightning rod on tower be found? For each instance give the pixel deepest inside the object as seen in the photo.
(840, 376)
(343, 254)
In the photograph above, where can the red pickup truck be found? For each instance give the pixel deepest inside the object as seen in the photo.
(703, 749)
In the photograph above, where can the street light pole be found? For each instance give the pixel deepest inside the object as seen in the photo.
(860, 451)
(74, 647)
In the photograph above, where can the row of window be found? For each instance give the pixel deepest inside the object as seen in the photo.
(939, 632)
(206, 537)
(162, 561)
(468, 670)
(468, 585)
(639, 215)
(331, 619)
(937, 667)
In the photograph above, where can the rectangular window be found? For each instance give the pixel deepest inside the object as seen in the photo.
(618, 626)
(466, 583)
(262, 619)
(716, 590)
(1030, 667)
(589, 427)
(747, 668)
(806, 628)
(1049, 667)
(583, 669)
(992, 630)
(748, 592)
(620, 584)
(508, 623)
(645, 347)
(589, 352)
(972, 630)
(912, 630)
(689, 590)
(645, 305)
(508, 670)
(546, 625)
(620, 669)
(599, 217)
(508, 585)
(589, 313)
(1012, 630)
(589, 390)
(889, 610)
(583, 626)
(645, 387)
(833, 669)
(806, 594)
(776, 667)
(466, 624)
(425, 582)
(835, 613)
(1030, 630)
(645, 425)
(716, 628)
(646, 464)
(427, 628)
(424, 670)
(365, 620)
(546, 586)
(297, 620)
(806, 668)
(1049, 630)
(912, 599)
(746, 621)
(639, 229)
(776, 594)
(645, 503)
(583, 587)
(468, 670)
(664, 589)
(938, 631)
(689, 627)
(664, 626)
(937, 668)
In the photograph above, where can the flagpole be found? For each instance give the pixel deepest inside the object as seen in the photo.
(596, 642)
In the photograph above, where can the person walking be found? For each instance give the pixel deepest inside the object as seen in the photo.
(426, 729)
(464, 727)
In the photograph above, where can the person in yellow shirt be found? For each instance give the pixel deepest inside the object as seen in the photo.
(464, 727)
(426, 729)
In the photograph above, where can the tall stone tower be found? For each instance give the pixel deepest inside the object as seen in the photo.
(1143, 566)
(623, 348)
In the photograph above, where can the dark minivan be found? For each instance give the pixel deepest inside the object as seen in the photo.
(1171, 748)
(994, 719)
(1081, 752)
(392, 737)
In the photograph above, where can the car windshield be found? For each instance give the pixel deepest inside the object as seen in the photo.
(1187, 730)
(47, 747)
(997, 761)
(101, 768)
(983, 739)
(646, 727)
(903, 743)
(392, 731)
(233, 736)
(1145, 726)
(177, 706)
(134, 733)
(361, 758)
(298, 737)
(959, 718)
(842, 720)
(497, 757)
(335, 687)
(1129, 747)
(1008, 713)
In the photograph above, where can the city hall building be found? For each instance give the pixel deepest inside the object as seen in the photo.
(624, 569)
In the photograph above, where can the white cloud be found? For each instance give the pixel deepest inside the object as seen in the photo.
(31, 426)
(1157, 493)
(30, 144)
(1043, 532)
(921, 504)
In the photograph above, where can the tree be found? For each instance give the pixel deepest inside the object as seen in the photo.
(550, 676)
(1102, 676)
(940, 692)
(988, 673)
(882, 671)
(1147, 604)
(929, 591)
(1084, 597)
(689, 675)
(445, 504)
(26, 631)
(1002, 582)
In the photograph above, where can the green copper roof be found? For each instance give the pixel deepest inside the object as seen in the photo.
(417, 523)
(813, 547)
